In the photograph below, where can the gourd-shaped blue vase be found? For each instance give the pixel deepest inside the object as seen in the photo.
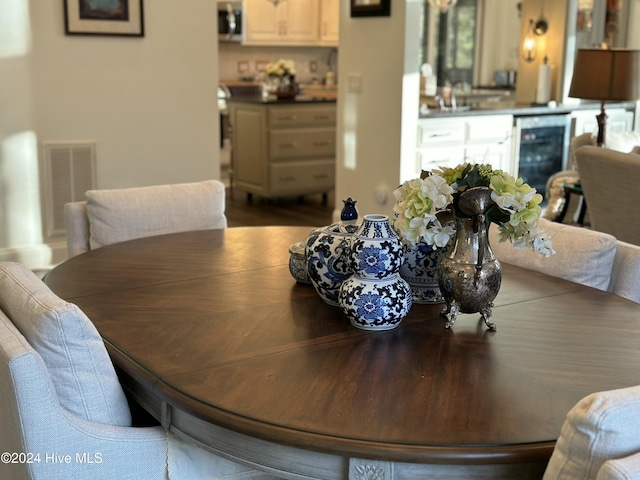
(375, 297)
(327, 252)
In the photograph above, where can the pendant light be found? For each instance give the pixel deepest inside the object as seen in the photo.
(443, 5)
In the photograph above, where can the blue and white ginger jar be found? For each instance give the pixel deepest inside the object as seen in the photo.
(328, 259)
(375, 297)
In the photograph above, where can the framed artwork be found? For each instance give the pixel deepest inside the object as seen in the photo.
(370, 8)
(104, 17)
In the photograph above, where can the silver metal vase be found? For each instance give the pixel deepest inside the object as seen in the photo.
(469, 276)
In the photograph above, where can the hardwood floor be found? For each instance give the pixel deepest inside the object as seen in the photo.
(309, 210)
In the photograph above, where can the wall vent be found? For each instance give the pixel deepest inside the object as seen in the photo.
(69, 171)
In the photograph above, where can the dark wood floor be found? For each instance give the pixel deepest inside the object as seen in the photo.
(309, 210)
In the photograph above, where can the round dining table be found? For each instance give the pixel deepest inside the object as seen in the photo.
(212, 335)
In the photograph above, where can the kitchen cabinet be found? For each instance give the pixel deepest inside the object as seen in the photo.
(618, 120)
(329, 22)
(449, 141)
(288, 23)
(283, 149)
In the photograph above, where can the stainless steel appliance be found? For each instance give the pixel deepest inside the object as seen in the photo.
(230, 21)
(542, 147)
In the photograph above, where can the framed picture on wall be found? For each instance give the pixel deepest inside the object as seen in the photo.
(104, 17)
(370, 8)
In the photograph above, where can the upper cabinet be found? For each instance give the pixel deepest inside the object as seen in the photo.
(329, 22)
(303, 22)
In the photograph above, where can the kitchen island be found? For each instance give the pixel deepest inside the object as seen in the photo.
(283, 147)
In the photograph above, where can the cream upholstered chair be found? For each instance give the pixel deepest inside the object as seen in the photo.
(61, 399)
(583, 256)
(610, 182)
(599, 439)
(113, 216)
(625, 275)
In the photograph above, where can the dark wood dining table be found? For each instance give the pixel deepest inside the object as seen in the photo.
(214, 337)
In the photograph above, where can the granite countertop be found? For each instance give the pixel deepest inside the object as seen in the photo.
(273, 100)
(519, 110)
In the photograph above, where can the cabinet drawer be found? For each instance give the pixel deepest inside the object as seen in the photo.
(302, 143)
(301, 117)
(441, 130)
(490, 128)
(432, 158)
(302, 177)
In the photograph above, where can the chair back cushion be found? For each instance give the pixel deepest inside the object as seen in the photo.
(119, 215)
(71, 347)
(582, 256)
(599, 427)
(625, 276)
(76, 223)
(610, 185)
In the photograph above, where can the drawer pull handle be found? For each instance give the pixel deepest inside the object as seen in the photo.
(321, 117)
(320, 176)
(288, 117)
(321, 143)
(436, 135)
(288, 178)
(288, 145)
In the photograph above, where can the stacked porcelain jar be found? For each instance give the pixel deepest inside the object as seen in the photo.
(375, 297)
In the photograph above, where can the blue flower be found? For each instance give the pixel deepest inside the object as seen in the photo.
(370, 306)
(372, 260)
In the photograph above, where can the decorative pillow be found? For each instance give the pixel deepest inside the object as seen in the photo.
(600, 427)
(583, 256)
(125, 214)
(69, 344)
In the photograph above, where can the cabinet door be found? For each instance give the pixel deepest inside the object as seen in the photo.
(262, 22)
(301, 21)
(292, 22)
(329, 22)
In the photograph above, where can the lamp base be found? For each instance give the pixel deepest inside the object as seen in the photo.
(602, 126)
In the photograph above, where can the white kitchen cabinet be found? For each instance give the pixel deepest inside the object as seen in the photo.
(329, 22)
(618, 120)
(449, 141)
(283, 149)
(288, 23)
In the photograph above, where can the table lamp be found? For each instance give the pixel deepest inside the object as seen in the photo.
(606, 75)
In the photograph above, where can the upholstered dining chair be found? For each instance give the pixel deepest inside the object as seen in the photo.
(625, 275)
(118, 215)
(583, 256)
(64, 412)
(599, 439)
(610, 182)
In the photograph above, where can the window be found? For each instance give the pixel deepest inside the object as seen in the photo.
(449, 41)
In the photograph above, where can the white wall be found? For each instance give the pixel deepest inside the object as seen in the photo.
(376, 138)
(149, 103)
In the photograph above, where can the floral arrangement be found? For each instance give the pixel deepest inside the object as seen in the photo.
(424, 206)
(282, 68)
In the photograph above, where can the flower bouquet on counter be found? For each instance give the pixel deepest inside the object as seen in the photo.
(280, 69)
(282, 78)
(425, 206)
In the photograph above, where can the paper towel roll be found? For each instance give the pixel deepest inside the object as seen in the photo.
(543, 93)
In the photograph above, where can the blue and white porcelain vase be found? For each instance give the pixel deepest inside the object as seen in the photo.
(420, 270)
(375, 297)
(328, 251)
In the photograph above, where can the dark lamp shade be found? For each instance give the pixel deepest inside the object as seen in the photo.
(606, 74)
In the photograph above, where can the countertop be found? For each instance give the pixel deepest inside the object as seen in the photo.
(273, 100)
(519, 110)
